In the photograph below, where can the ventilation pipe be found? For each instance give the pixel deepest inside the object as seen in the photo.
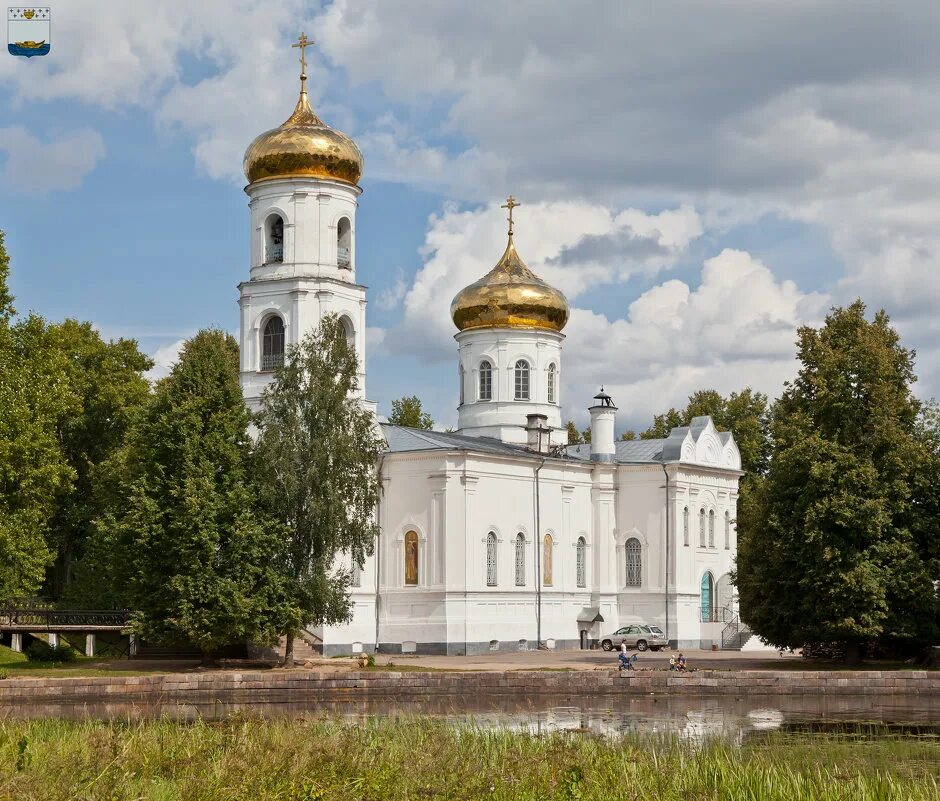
(603, 417)
(539, 434)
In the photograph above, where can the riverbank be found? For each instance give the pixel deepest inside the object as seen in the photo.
(305, 759)
(273, 686)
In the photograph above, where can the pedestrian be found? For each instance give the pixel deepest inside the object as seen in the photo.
(623, 658)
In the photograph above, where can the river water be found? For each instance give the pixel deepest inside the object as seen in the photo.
(684, 716)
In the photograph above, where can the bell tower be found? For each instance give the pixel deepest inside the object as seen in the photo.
(303, 190)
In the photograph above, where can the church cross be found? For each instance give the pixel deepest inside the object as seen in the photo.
(510, 204)
(303, 42)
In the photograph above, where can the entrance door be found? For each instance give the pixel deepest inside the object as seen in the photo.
(708, 597)
(584, 639)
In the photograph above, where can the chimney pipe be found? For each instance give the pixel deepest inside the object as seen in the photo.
(539, 434)
(603, 417)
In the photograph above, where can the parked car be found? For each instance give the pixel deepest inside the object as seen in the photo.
(637, 636)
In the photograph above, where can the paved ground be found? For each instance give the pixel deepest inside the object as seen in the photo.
(505, 660)
(590, 660)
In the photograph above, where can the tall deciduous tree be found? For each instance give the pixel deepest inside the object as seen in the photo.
(33, 399)
(835, 546)
(315, 462)
(107, 382)
(196, 556)
(408, 412)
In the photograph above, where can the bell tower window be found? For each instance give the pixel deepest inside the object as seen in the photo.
(344, 244)
(274, 239)
(272, 344)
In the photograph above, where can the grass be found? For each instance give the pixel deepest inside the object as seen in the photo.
(301, 759)
(13, 663)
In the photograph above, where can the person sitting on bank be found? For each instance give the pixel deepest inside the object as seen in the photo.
(681, 665)
(672, 662)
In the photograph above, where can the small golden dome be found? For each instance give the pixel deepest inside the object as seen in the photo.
(510, 296)
(303, 146)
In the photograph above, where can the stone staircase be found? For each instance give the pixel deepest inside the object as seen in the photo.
(306, 646)
(735, 635)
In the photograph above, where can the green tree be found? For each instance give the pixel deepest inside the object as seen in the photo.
(33, 399)
(629, 435)
(662, 425)
(407, 412)
(315, 461)
(576, 437)
(195, 555)
(107, 382)
(828, 549)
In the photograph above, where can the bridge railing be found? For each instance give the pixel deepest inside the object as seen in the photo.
(51, 618)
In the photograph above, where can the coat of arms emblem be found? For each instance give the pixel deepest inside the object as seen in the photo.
(29, 31)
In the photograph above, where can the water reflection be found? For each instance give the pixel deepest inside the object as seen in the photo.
(693, 718)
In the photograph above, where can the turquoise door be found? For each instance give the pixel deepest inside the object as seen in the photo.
(708, 594)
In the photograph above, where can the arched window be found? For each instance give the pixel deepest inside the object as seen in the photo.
(551, 383)
(274, 239)
(547, 560)
(343, 244)
(522, 380)
(685, 526)
(520, 559)
(411, 559)
(701, 528)
(727, 530)
(581, 563)
(491, 559)
(350, 332)
(272, 344)
(634, 562)
(711, 528)
(355, 573)
(708, 597)
(486, 381)
(461, 385)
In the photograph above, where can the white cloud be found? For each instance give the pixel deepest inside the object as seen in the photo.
(736, 329)
(164, 359)
(391, 297)
(34, 167)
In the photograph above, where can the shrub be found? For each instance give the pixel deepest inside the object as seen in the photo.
(39, 651)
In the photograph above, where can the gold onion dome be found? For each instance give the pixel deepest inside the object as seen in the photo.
(303, 146)
(510, 296)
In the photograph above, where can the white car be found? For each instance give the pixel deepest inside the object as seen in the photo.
(636, 635)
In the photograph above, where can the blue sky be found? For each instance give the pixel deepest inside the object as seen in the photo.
(698, 182)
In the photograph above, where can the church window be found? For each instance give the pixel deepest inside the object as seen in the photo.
(685, 526)
(355, 573)
(520, 560)
(411, 559)
(272, 344)
(486, 381)
(461, 384)
(491, 559)
(547, 560)
(711, 528)
(343, 244)
(634, 562)
(551, 383)
(274, 239)
(727, 530)
(708, 597)
(701, 528)
(581, 563)
(522, 380)
(350, 332)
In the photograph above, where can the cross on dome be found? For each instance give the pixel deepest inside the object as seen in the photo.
(303, 43)
(510, 204)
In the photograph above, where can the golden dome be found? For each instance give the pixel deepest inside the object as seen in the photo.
(303, 146)
(510, 296)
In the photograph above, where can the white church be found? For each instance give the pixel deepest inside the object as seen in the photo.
(499, 536)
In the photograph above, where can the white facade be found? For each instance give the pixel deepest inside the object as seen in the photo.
(504, 375)
(306, 272)
(469, 501)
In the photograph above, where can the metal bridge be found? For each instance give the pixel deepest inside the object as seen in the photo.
(42, 619)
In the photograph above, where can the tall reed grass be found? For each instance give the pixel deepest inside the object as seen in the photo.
(301, 759)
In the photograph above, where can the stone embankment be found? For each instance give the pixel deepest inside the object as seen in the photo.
(278, 686)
